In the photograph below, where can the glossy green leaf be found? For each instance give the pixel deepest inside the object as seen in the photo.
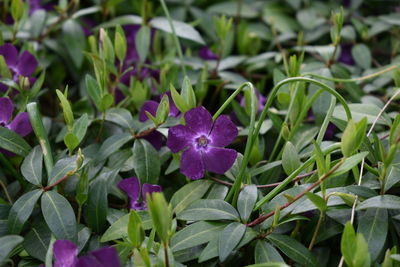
(265, 252)
(11, 141)
(37, 241)
(95, 209)
(362, 55)
(246, 201)
(188, 194)
(21, 210)
(74, 41)
(59, 215)
(161, 215)
(209, 209)
(93, 89)
(62, 168)
(229, 238)
(349, 163)
(112, 144)
(146, 162)
(121, 117)
(135, 230)
(293, 249)
(384, 202)
(80, 127)
(142, 42)
(32, 165)
(290, 158)
(7, 244)
(195, 234)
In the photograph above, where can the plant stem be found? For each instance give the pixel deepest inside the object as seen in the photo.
(177, 44)
(262, 218)
(6, 192)
(166, 255)
(316, 231)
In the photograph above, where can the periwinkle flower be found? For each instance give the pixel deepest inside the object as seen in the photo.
(131, 186)
(20, 65)
(20, 124)
(206, 54)
(203, 142)
(66, 255)
(345, 54)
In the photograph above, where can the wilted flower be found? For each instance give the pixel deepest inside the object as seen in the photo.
(66, 255)
(206, 54)
(21, 124)
(20, 65)
(203, 143)
(131, 186)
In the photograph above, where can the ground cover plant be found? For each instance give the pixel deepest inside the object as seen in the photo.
(199, 133)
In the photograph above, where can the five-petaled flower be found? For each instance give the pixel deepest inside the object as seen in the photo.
(20, 65)
(20, 125)
(66, 255)
(203, 143)
(131, 186)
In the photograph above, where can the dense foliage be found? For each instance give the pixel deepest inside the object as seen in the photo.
(199, 133)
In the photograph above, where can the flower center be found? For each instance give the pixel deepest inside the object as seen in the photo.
(202, 141)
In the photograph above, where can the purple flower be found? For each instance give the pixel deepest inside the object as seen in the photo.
(203, 143)
(206, 54)
(66, 255)
(345, 55)
(131, 186)
(21, 124)
(24, 64)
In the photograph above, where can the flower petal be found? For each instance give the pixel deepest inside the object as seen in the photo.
(191, 164)
(149, 106)
(108, 256)
(88, 261)
(223, 132)
(10, 54)
(6, 110)
(150, 188)
(65, 253)
(219, 160)
(21, 124)
(131, 186)
(199, 120)
(179, 138)
(156, 139)
(27, 64)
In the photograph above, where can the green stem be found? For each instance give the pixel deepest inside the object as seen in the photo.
(6, 192)
(292, 176)
(177, 44)
(316, 231)
(40, 132)
(326, 121)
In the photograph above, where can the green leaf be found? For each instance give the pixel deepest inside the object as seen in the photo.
(71, 141)
(74, 41)
(162, 110)
(80, 127)
(318, 201)
(68, 115)
(265, 252)
(59, 215)
(146, 162)
(21, 210)
(142, 42)
(161, 215)
(362, 55)
(107, 51)
(62, 168)
(37, 241)
(178, 100)
(121, 117)
(182, 29)
(120, 43)
(135, 230)
(359, 111)
(290, 158)
(373, 224)
(7, 244)
(384, 202)
(93, 90)
(188, 194)
(211, 250)
(349, 164)
(229, 238)
(246, 201)
(195, 234)
(95, 210)
(119, 229)
(209, 209)
(17, 9)
(106, 101)
(31, 167)
(293, 249)
(112, 144)
(121, 20)
(187, 93)
(11, 141)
